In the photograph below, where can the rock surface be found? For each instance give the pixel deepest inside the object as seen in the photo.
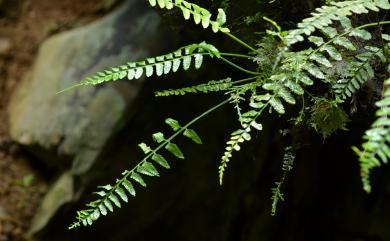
(77, 124)
(69, 131)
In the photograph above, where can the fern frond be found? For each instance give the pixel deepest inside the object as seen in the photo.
(199, 15)
(159, 65)
(248, 121)
(113, 195)
(277, 195)
(376, 149)
(359, 72)
(211, 86)
(327, 14)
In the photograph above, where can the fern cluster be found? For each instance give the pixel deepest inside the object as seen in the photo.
(335, 57)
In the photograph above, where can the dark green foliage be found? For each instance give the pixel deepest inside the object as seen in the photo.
(326, 117)
(340, 56)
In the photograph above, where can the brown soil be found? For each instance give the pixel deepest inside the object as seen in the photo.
(24, 24)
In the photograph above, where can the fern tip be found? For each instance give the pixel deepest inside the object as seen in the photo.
(69, 88)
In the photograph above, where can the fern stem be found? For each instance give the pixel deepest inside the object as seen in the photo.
(243, 80)
(239, 67)
(348, 32)
(69, 88)
(237, 55)
(240, 41)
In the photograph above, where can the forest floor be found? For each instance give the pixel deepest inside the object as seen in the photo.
(24, 24)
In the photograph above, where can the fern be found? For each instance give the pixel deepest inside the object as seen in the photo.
(359, 72)
(376, 149)
(160, 65)
(280, 80)
(248, 121)
(199, 15)
(113, 195)
(325, 16)
(277, 195)
(211, 86)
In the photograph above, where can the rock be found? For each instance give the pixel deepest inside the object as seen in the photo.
(77, 124)
(71, 130)
(3, 213)
(5, 45)
(59, 194)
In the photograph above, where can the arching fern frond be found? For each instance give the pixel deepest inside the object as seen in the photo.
(113, 195)
(376, 149)
(325, 16)
(211, 86)
(160, 65)
(200, 15)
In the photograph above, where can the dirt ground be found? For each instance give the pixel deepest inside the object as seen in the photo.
(24, 24)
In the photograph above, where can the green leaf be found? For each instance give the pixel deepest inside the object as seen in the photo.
(318, 41)
(256, 125)
(147, 168)
(115, 200)
(344, 42)
(186, 13)
(314, 70)
(361, 33)
(145, 148)
(136, 177)
(175, 150)
(176, 65)
(122, 194)
(159, 69)
(186, 62)
(198, 60)
(190, 133)
(161, 160)
(158, 137)
(294, 87)
(206, 20)
(103, 209)
(174, 124)
(332, 51)
(319, 58)
(149, 70)
(167, 67)
(221, 18)
(129, 187)
(277, 105)
(108, 205)
(286, 95)
(107, 187)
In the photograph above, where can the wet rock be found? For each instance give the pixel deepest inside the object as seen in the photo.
(3, 213)
(76, 125)
(5, 45)
(59, 194)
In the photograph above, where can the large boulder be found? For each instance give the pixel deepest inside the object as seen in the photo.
(76, 125)
(70, 131)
